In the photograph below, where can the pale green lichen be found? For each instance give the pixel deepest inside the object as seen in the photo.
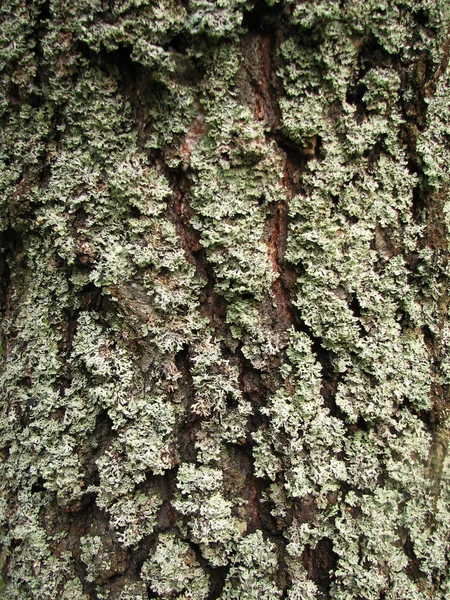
(210, 521)
(252, 570)
(173, 570)
(120, 371)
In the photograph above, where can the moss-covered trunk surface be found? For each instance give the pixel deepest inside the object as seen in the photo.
(224, 264)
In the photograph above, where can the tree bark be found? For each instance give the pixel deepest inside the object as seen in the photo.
(224, 274)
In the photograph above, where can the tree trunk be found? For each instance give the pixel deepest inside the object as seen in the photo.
(224, 273)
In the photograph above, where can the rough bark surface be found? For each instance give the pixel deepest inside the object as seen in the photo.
(223, 284)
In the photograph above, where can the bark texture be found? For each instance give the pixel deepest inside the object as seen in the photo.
(224, 272)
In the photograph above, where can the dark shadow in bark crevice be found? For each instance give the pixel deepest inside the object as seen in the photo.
(320, 562)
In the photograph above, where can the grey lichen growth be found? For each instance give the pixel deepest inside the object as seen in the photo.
(253, 568)
(209, 518)
(224, 287)
(173, 571)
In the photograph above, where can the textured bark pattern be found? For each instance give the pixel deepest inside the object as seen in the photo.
(224, 273)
